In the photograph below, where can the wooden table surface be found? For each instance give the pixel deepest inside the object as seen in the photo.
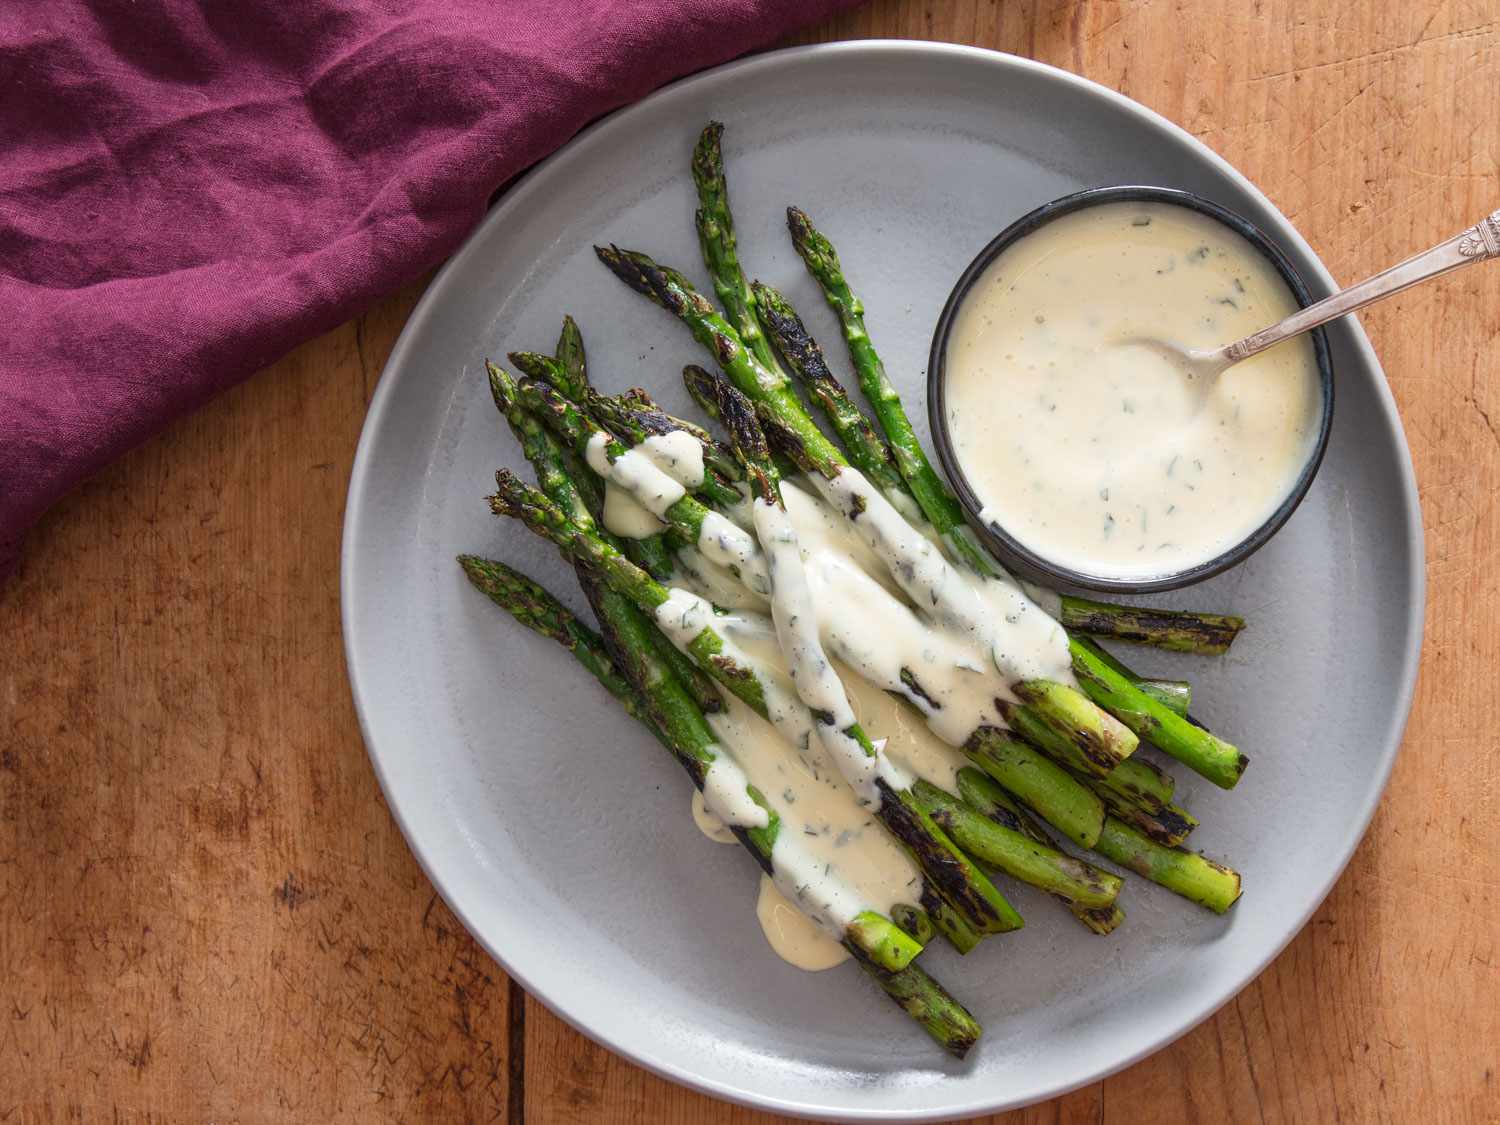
(207, 912)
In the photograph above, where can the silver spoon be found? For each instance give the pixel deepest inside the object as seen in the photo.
(1479, 242)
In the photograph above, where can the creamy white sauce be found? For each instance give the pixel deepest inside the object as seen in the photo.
(739, 514)
(677, 455)
(707, 578)
(911, 511)
(949, 678)
(1100, 454)
(732, 547)
(831, 858)
(794, 936)
(850, 585)
(657, 474)
(910, 743)
(817, 684)
(710, 825)
(635, 473)
(994, 614)
(684, 615)
(821, 529)
(626, 516)
(726, 798)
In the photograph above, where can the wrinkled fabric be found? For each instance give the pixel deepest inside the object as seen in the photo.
(188, 190)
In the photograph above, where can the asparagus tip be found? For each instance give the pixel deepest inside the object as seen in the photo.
(502, 386)
(635, 270)
(815, 250)
(493, 579)
(708, 160)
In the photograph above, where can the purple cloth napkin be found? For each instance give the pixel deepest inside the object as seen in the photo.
(188, 190)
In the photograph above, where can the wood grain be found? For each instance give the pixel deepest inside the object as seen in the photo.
(208, 913)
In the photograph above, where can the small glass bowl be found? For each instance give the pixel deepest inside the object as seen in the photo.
(1015, 554)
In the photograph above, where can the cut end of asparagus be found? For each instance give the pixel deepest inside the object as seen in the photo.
(1175, 630)
(882, 941)
(1194, 877)
(1191, 744)
(1071, 728)
(926, 1001)
(1103, 920)
(915, 921)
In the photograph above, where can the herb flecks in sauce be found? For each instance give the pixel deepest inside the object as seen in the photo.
(867, 571)
(1065, 432)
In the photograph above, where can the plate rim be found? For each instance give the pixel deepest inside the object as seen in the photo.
(356, 503)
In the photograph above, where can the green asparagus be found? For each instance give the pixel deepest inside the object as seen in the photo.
(546, 457)
(880, 954)
(1176, 630)
(984, 796)
(1185, 873)
(954, 876)
(1010, 851)
(782, 413)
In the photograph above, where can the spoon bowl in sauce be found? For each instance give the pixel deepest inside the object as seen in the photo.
(1079, 450)
(1469, 247)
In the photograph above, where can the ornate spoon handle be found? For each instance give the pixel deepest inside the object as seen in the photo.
(1479, 242)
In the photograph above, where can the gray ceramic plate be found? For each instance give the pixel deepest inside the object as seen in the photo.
(560, 833)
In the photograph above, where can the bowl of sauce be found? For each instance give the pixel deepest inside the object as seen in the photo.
(1086, 458)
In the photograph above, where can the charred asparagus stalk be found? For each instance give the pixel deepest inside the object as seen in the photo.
(866, 450)
(1139, 783)
(1011, 851)
(816, 682)
(914, 991)
(700, 385)
(1175, 695)
(716, 239)
(689, 622)
(1185, 873)
(1192, 745)
(985, 797)
(546, 457)
(1168, 825)
(795, 432)
(1042, 785)
(570, 355)
(925, 1000)
(1175, 630)
(531, 605)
